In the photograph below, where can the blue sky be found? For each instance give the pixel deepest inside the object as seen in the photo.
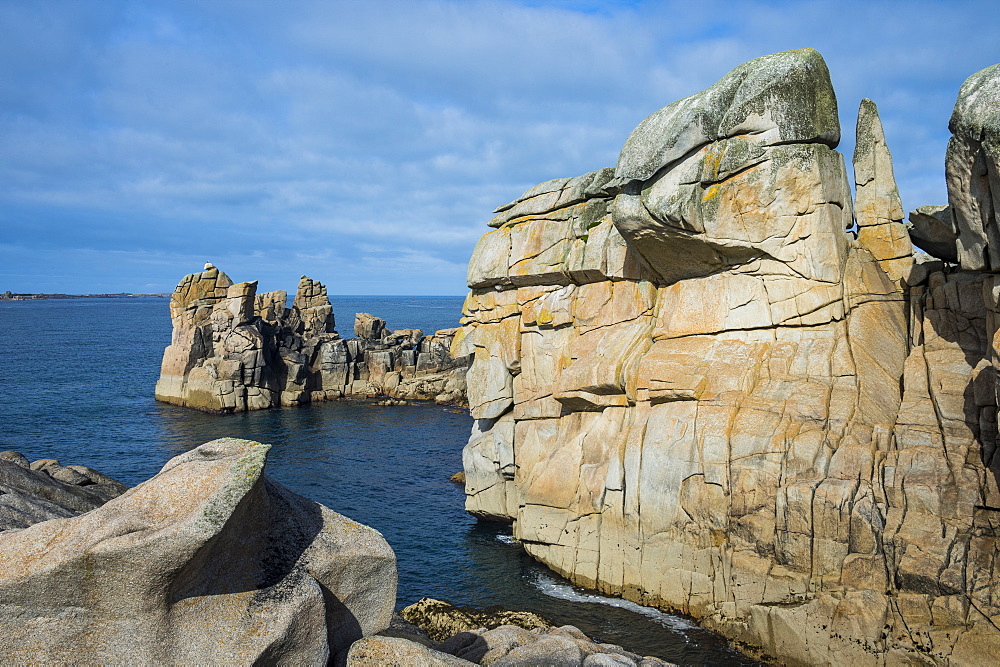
(365, 144)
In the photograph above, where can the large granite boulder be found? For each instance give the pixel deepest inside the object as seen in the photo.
(234, 350)
(208, 562)
(695, 387)
(972, 169)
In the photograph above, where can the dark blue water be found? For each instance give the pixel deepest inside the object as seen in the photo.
(76, 384)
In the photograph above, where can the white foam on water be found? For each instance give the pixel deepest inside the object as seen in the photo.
(508, 539)
(564, 591)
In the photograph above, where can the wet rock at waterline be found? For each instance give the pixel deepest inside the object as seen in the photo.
(491, 636)
(208, 562)
(694, 387)
(234, 350)
(441, 620)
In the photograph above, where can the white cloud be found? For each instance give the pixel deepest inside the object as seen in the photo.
(289, 138)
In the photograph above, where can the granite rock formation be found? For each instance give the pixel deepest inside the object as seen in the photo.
(972, 168)
(234, 350)
(694, 386)
(208, 562)
(438, 633)
(43, 490)
(442, 620)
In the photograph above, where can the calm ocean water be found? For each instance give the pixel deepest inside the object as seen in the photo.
(76, 384)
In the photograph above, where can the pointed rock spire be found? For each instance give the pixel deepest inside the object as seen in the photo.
(878, 209)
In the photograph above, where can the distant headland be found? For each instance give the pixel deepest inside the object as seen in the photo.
(14, 296)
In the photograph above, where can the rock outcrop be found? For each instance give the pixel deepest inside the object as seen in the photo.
(442, 620)
(972, 168)
(43, 490)
(234, 350)
(696, 388)
(441, 634)
(208, 562)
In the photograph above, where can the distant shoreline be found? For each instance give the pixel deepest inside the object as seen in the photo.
(11, 296)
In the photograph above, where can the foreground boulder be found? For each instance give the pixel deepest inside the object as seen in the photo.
(696, 388)
(234, 350)
(208, 562)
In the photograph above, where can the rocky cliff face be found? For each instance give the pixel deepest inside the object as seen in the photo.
(699, 385)
(234, 350)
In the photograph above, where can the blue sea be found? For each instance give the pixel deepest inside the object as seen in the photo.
(76, 384)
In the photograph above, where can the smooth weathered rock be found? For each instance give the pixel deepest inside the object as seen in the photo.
(379, 651)
(695, 389)
(972, 169)
(208, 562)
(31, 493)
(514, 645)
(783, 98)
(234, 350)
(738, 174)
(933, 231)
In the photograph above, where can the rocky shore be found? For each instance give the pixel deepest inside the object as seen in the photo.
(212, 562)
(710, 380)
(233, 350)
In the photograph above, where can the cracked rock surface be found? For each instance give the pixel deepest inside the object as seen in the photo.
(694, 387)
(233, 350)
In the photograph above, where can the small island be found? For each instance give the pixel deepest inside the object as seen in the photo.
(23, 296)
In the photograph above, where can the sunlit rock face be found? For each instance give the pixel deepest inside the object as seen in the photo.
(695, 387)
(234, 350)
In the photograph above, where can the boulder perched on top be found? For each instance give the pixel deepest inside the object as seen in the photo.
(933, 231)
(972, 169)
(369, 327)
(782, 98)
(208, 562)
(740, 174)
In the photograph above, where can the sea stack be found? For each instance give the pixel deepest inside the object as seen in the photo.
(234, 350)
(697, 387)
